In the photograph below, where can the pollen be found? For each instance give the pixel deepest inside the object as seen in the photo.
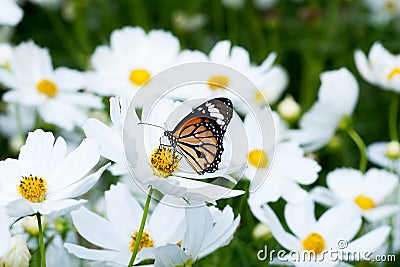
(139, 77)
(394, 72)
(365, 203)
(390, 6)
(314, 242)
(164, 161)
(258, 96)
(32, 188)
(145, 242)
(258, 158)
(47, 87)
(218, 82)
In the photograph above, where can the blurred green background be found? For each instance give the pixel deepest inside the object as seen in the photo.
(309, 36)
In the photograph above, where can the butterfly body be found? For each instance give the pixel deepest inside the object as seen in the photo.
(199, 136)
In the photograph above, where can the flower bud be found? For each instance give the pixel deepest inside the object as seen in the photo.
(30, 225)
(393, 150)
(289, 109)
(18, 255)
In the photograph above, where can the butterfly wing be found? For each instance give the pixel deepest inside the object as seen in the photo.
(200, 134)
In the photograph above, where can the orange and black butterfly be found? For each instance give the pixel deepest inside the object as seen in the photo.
(199, 136)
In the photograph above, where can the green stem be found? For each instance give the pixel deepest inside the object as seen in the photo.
(393, 113)
(143, 222)
(41, 243)
(361, 147)
(19, 123)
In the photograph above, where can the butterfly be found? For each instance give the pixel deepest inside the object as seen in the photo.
(198, 137)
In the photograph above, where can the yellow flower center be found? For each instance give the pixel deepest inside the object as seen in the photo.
(390, 6)
(258, 96)
(47, 87)
(139, 77)
(32, 188)
(393, 150)
(365, 203)
(258, 158)
(145, 242)
(314, 242)
(395, 71)
(164, 161)
(218, 82)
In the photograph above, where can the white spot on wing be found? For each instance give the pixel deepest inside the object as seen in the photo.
(217, 115)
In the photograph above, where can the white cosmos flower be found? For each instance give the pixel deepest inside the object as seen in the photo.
(381, 68)
(385, 155)
(368, 191)
(116, 233)
(131, 59)
(44, 179)
(269, 81)
(141, 142)
(207, 229)
(384, 10)
(55, 93)
(10, 13)
(335, 229)
(283, 181)
(337, 98)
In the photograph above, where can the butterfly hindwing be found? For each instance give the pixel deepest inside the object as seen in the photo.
(199, 136)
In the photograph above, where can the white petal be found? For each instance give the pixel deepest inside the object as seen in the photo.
(123, 211)
(171, 232)
(38, 156)
(62, 114)
(78, 188)
(370, 241)
(341, 222)
(324, 196)
(292, 192)
(345, 182)
(199, 223)
(81, 99)
(68, 79)
(221, 233)
(380, 212)
(363, 66)
(10, 13)
(98, 230)
(98, 255)
(304, 210)
(77, 164)
(20, 208)
(170, 255)
(379, 184)
(287, 240)
(110, 141)
(57, 208)
(339, 88)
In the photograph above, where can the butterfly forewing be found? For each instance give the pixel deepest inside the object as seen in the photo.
(199, 136)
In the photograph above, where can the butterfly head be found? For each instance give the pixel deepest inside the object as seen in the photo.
(171, 138)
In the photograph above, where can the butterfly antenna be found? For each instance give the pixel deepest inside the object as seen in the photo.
(145, 123)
